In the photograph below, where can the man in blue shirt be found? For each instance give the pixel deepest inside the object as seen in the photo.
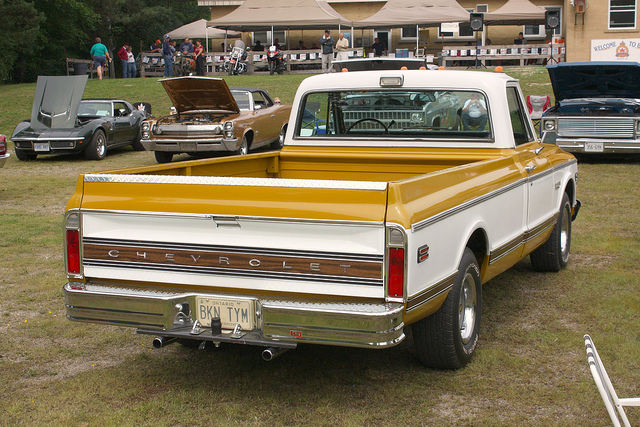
(186, 48)
(167, 55)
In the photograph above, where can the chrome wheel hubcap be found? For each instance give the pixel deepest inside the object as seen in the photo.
(467, 308)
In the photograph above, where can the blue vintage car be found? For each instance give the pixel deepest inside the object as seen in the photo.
(597, 108)
(62, 122)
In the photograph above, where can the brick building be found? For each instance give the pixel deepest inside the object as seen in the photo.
(591, 29)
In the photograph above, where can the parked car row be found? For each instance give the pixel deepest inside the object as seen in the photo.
(596, 111)
(209, 118)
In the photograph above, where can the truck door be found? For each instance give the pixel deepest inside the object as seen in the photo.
(541, 200)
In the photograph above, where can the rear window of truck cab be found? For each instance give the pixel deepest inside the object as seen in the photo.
(398, 113)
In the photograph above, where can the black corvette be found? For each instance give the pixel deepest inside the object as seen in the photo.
(62, 122)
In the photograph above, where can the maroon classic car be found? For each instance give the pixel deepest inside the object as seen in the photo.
(3, 150)
(211, 117)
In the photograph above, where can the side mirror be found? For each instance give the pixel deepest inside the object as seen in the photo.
(549, 137)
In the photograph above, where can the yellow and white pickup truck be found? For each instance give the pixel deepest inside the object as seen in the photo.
(396, 196)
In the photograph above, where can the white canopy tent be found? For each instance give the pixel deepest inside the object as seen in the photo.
(261, 15)
(425, 13)
(516, 12)
(201, 30)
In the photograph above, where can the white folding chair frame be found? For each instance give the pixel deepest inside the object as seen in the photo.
(607, 392)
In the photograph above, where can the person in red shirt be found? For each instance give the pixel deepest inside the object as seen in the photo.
(122, 54)
(198, 52)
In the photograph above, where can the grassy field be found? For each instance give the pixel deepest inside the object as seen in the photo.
(530, 369)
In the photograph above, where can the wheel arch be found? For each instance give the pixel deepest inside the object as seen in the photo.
(478, 243)
(249, 135)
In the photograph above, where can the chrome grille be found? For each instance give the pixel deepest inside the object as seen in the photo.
(402, 118)
(596, 127)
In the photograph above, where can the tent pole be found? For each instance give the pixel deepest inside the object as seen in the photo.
(417, 38)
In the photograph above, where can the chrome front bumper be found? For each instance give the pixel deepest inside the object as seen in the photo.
(3, 159)
(621, 146)
(190, 145)
(279, 322)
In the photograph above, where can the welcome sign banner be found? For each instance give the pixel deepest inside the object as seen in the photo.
(615, 50)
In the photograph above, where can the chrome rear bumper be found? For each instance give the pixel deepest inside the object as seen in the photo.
(279, 322)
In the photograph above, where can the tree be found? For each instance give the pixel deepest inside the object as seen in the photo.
(21, 30)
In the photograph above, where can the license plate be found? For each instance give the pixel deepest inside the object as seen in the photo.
(187, 146)
(40, 146)
(231, 312)
(594, 147)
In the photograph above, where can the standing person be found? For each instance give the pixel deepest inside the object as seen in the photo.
(122, 54)
(378, 48)
(326, 43)
(131, 63)
(167, 56)
(199, 53)
(342, 47)
(100, 56)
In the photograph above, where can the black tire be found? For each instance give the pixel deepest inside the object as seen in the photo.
(272, 67)
(244, 147)
(97, 148)
(553, 255)
(136, 144)
(279, 143)
(163, 156)
(25, 156)
(448, 338)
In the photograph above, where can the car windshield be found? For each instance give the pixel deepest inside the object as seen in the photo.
(91, 108)
(395, 113)
(243, 99)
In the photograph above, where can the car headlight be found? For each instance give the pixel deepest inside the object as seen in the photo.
(638, 127)
(228, 130)
(145, 126)
(549, 125)
(145, 134)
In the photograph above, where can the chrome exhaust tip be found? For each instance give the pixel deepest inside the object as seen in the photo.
(272, 352)
(160, 342)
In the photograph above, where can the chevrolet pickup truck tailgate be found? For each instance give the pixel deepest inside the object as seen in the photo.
(221, 233)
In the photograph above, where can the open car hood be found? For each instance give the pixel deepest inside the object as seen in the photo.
(571, 80)
(199, 93)
(55, 104)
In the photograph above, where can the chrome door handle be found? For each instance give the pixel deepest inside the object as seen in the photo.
(530, 168)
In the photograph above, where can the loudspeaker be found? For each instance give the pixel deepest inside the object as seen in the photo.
(476, 21)
(551, 19)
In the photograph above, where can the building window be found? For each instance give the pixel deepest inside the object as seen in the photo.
(622, 14)
(409, 33)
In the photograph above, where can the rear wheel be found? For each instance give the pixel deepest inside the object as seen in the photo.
(163, 156)
(25, 156)
(553, 255)
(97, 148)
(279, 143)
(137, 145)
(448, 338)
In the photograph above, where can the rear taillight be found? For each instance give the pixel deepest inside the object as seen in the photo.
(396, 272)
(3, 144)
(396, 263)
(72, 244)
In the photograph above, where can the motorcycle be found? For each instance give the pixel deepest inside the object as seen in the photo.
(183, 65)
(237, 60)
(276, 60)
